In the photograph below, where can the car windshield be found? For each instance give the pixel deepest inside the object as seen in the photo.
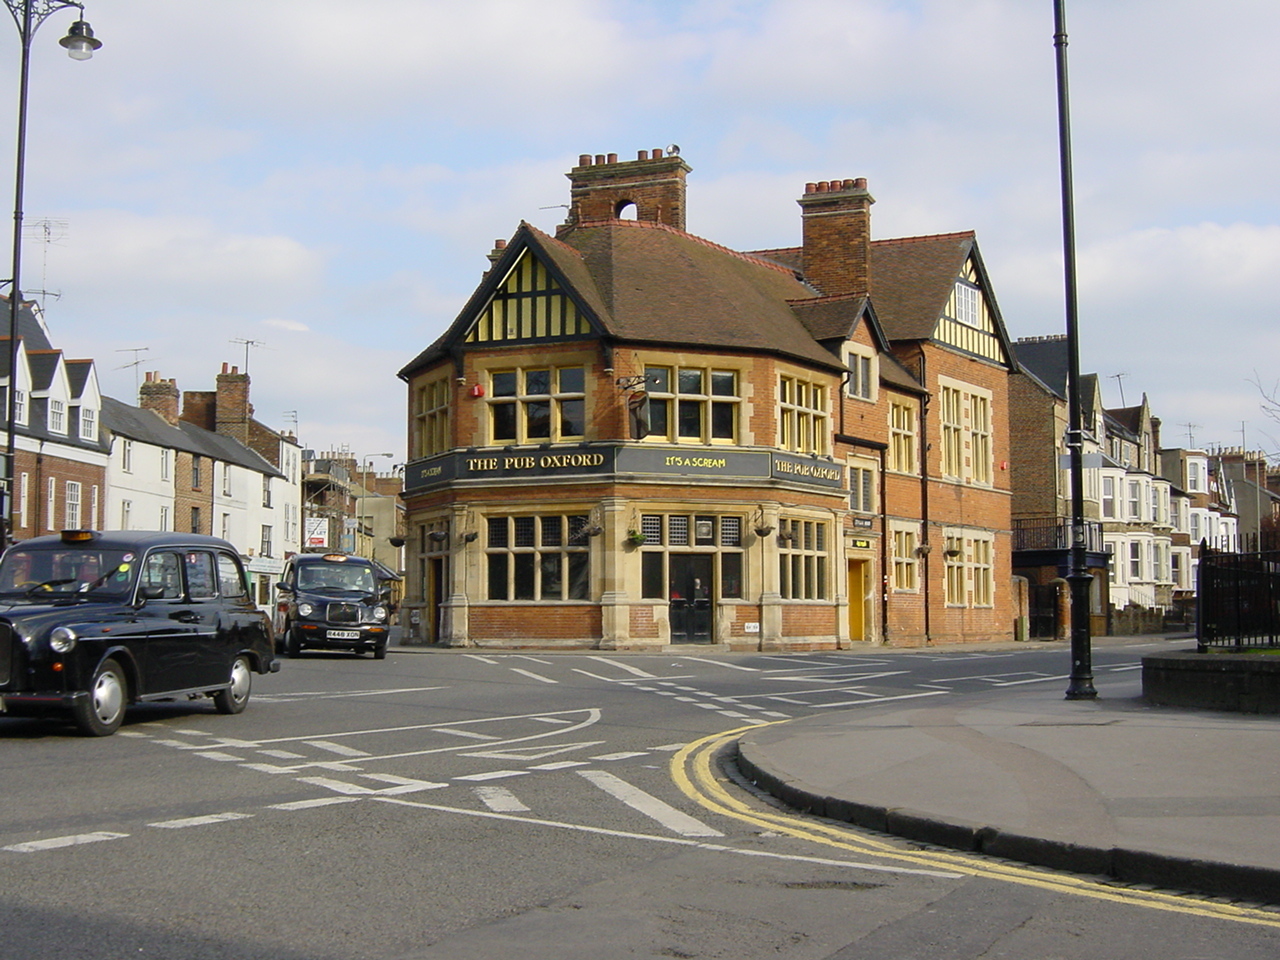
(65, 570)
(336, 576)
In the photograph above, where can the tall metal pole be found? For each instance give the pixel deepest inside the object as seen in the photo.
(80, 44)
(1081, 683)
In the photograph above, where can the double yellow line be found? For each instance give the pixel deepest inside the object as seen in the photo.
(691, 770)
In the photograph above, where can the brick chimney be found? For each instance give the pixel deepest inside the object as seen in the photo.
(836, 216)
(232, 410)
(160, 397)
(601, 188)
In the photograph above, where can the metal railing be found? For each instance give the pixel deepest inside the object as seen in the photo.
(1239, 600)
(1054, 533)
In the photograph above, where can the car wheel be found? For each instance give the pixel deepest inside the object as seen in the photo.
(236, 696)
(293, 643)
(100, 713)
(380, 651)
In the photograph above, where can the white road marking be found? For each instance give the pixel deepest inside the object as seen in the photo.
(500, 799)
(219, 756)
(672, 747)
(282, 754)
(531, 675)
(402, 784)
(722, 663)
(266, 768)
(494, 775)
(677, 841)
(521, 656)
(54, 843)
(1017, 683)
(559, 765)
(338, 748)
(635, 798)
(199, 821)
(338, 786)
(465, 733)
(622, 665)
(624, 755)
(532, 753)
(476, 656)
(309, 804)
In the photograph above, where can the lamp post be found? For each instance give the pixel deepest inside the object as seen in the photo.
(80, 44)
(1080, 686)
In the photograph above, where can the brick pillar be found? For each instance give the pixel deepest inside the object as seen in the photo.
(233, 410)
(836, 217)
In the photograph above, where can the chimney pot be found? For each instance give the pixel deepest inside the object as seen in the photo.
(860, 183)
(612, 158)
(810, 187)
(848, 184)
(824, 186)
(499, 244)
(657, 153)
(224, 366)
(584, 159)
(599, 158)
(642, 155)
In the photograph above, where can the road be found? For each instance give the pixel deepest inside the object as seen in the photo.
(482, 805)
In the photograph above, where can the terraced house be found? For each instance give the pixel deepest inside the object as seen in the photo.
(632, 436)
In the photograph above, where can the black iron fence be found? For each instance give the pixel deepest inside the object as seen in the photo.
(1239, 600)
(1054, 533)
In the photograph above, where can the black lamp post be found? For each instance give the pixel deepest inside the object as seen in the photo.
(1080, 686)
(80, 44)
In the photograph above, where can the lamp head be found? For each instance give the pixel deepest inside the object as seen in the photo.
(80, 41)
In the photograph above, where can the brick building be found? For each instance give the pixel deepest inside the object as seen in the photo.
(60, 452)
(632, 436)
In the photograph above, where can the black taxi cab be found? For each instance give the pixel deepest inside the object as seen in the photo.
(333, 601)
(91, 622)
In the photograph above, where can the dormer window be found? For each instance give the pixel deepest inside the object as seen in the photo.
(57, 416)
(20, 407)
(88, 423)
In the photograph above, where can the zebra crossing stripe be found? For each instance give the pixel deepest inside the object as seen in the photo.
(649, 805)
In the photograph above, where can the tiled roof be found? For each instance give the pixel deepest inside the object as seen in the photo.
(911, 280)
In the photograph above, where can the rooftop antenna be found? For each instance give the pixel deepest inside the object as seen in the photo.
(1191, 437)
(247, 345)
(137, 360)
(45, 232)
(1119, 379)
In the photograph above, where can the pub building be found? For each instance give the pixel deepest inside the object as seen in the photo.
(632, 437)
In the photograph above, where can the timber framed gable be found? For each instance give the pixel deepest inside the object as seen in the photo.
(970, 321)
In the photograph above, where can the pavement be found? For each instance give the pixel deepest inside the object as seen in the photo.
(1176, 798)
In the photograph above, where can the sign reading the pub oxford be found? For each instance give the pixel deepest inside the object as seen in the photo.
(642, 460)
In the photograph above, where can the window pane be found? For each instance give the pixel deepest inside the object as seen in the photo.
(504, 421)
(504, 384)
(724, 383)
(524, 531)
(201, 579)
(579, 576)
(691, 418)
(523, 576)
(691, 381)
(651, 579)
(731, 575)
(497, 576)
(722, 415)
(552, 532)
(538, 419)
(497, 531)
(537, 382)
(572, 418)
(551, 576)
(658, 421)
(571, 380)
(659, 379)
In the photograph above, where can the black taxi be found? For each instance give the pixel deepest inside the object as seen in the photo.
(333, 601)
(91, 622)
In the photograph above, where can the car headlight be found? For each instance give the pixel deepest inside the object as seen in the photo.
(379, 613)
(62, 640)
(305, 609)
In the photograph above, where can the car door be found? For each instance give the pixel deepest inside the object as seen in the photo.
(165, 627)
(213, 638)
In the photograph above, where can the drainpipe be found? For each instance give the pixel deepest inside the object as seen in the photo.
(924, 502)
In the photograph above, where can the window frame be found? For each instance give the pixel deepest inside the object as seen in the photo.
(668, 399)
(522, 402)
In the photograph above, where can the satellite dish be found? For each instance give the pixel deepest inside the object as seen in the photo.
(673, 150)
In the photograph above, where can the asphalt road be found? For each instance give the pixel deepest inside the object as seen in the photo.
(473, 805)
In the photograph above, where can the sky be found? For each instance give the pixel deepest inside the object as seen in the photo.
(324, 179)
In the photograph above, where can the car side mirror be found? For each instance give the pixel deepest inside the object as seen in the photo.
(150, 593)
(284, 587)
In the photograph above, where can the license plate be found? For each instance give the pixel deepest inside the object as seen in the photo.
(343, 634)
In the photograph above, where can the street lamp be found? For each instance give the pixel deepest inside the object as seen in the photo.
(1080, 687)
(80, 44)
